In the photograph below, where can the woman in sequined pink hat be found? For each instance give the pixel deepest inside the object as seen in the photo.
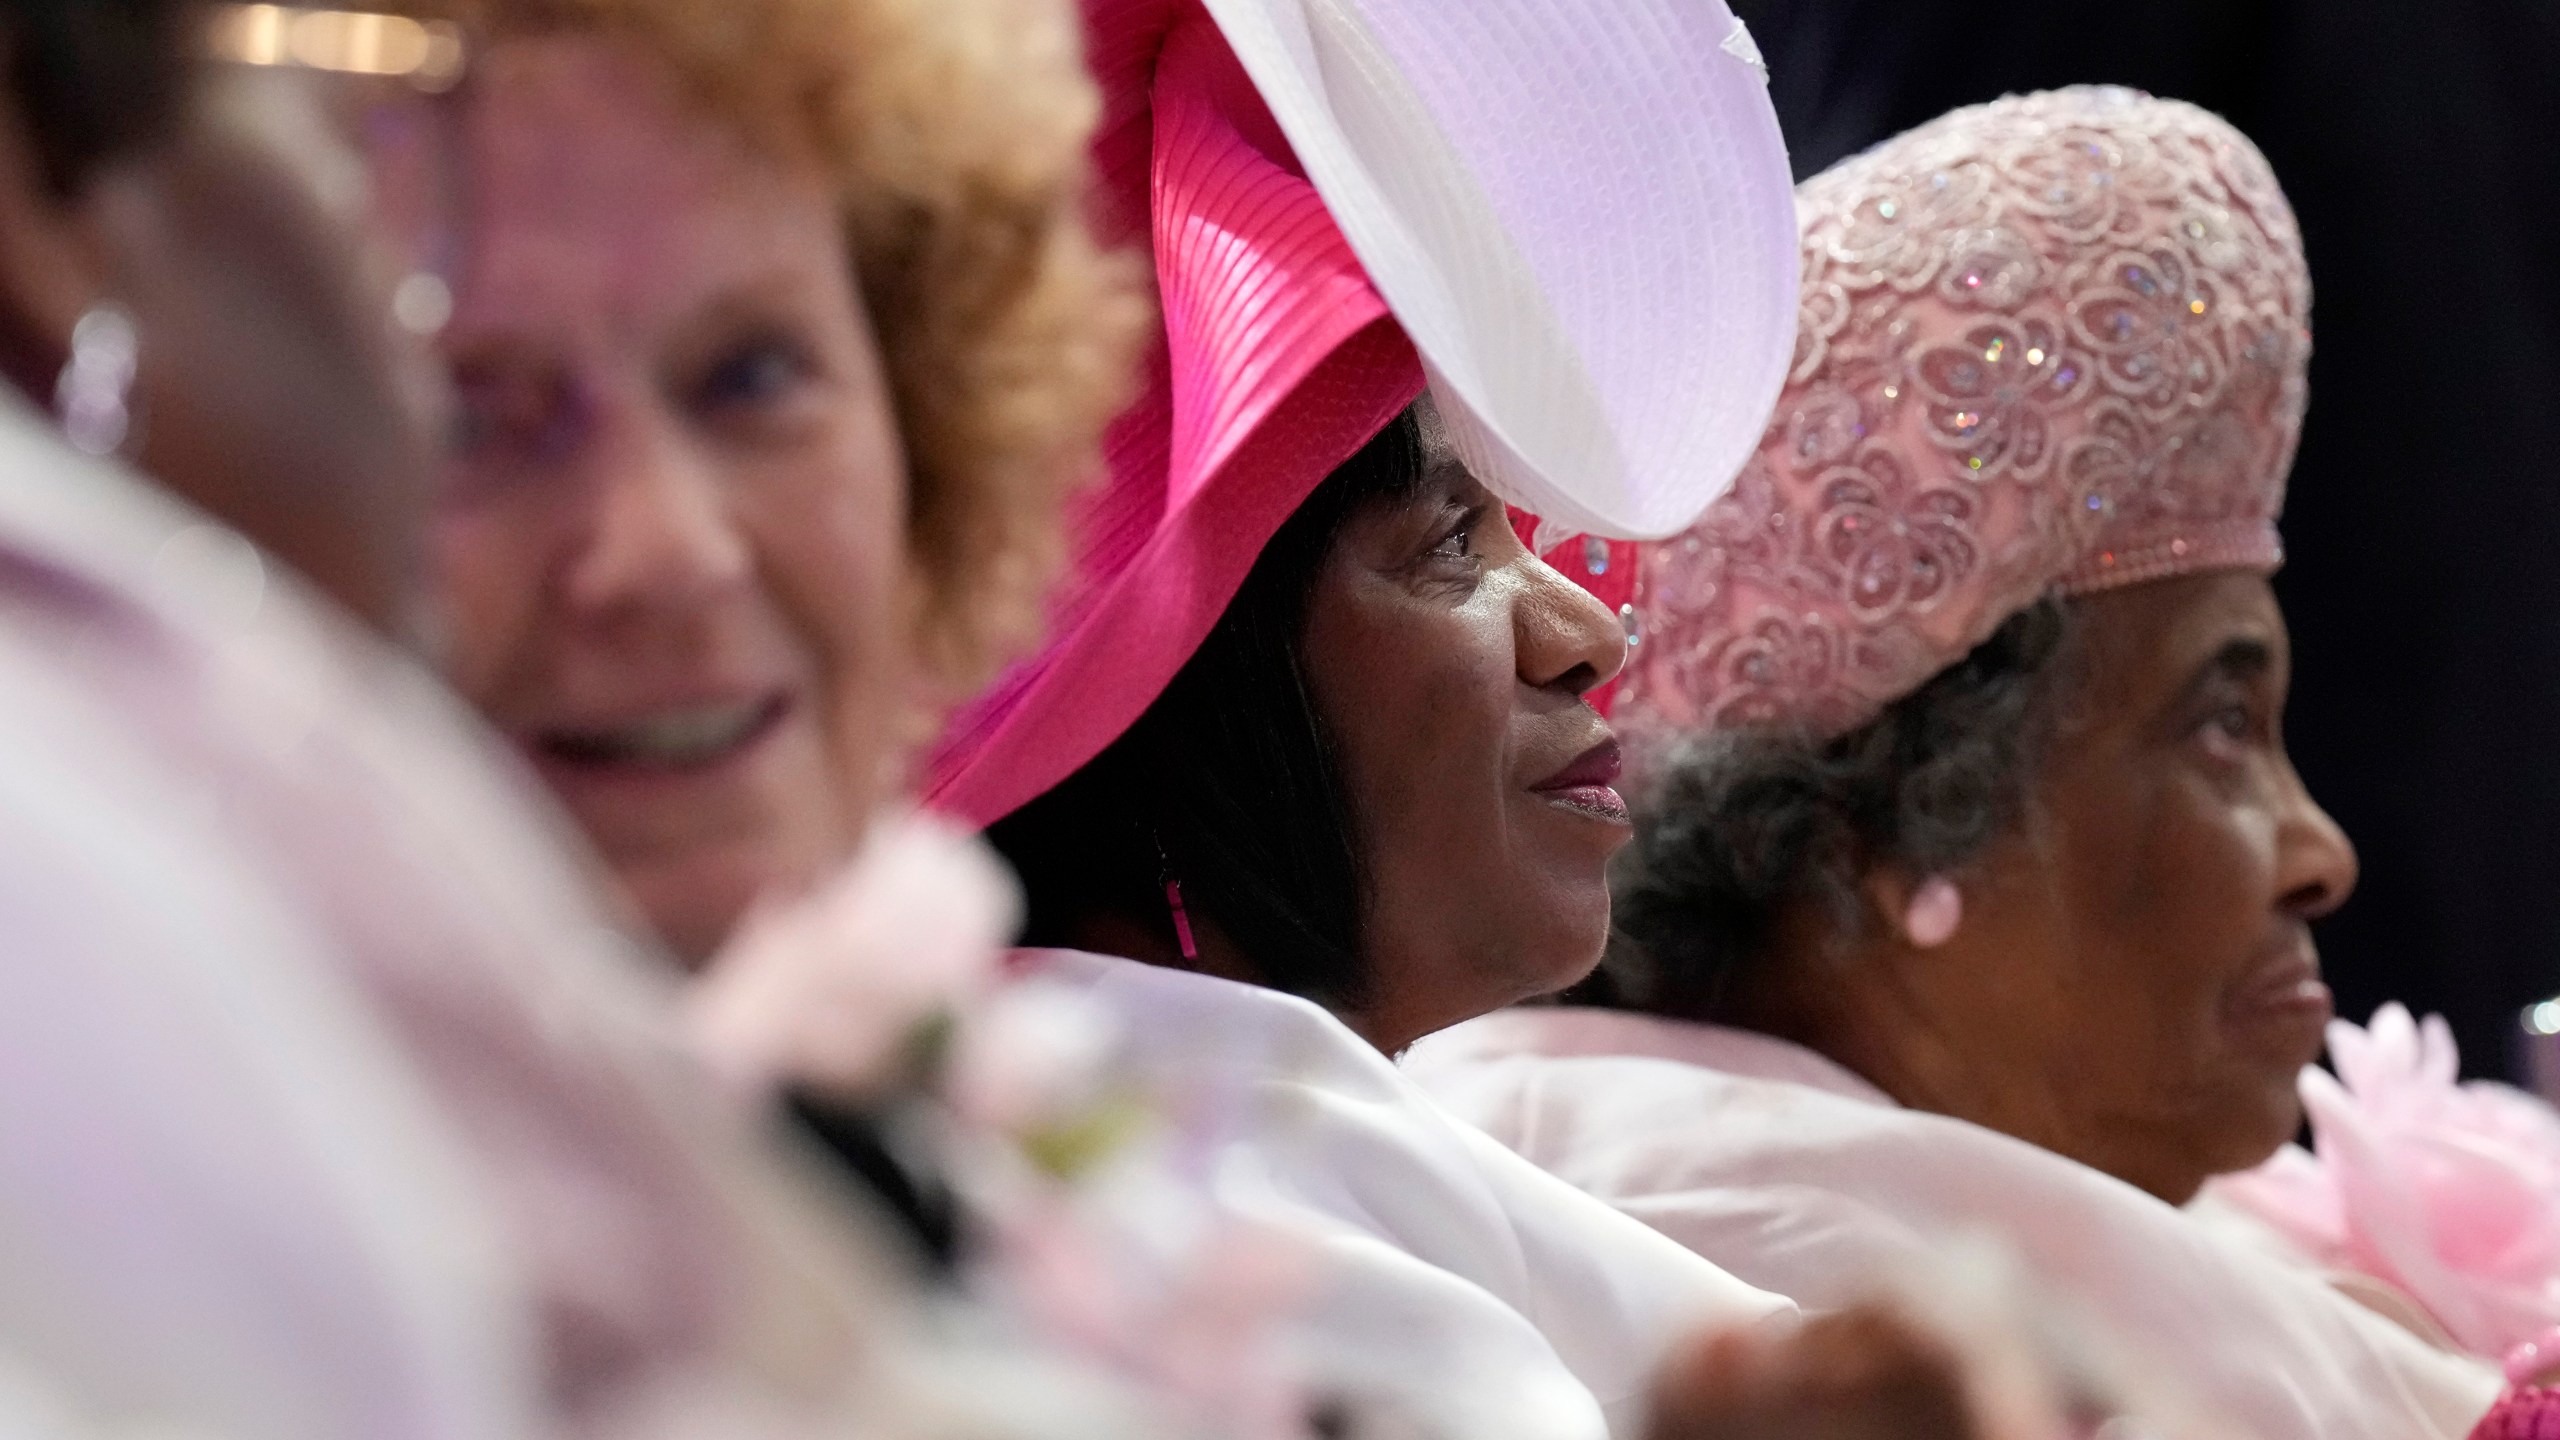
(1973, 885)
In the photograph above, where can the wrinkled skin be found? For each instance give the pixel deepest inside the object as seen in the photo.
(1449, 665)
(1854, 1375)
(2133, 982)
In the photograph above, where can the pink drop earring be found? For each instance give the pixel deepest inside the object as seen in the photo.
(1936, 909)
(1173, 902)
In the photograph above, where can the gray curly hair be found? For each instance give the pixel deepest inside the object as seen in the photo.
(1742, 825)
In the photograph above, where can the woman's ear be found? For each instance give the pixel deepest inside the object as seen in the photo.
(1922, 912)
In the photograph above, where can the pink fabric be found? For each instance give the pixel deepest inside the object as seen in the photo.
(1279, 361)
(2053, 343)
(1801, 1177)
(2525, 1414)
(2449, 1192)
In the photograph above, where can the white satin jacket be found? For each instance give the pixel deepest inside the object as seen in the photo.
(1461, 1286)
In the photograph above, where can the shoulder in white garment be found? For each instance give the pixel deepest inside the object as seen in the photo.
(1797, 1175)
(1463, 1287)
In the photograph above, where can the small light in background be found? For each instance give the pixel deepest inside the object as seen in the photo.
(428, 54)
(2537, 1048)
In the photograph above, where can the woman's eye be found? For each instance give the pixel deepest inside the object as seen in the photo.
(2230, 727)
(525, 419)
(752, 376)
(1459, 540)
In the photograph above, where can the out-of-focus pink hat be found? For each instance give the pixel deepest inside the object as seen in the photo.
(1579, 230)
(2052, 344)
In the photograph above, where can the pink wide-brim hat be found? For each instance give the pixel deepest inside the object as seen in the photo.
(2050, 345)
(1581, 236)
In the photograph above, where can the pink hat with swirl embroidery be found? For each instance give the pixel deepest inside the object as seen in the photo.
(2049, 345)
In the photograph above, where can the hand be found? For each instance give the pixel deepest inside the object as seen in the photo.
(1856, 1375)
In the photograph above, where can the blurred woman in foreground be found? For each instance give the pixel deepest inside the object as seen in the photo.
(336, 1104)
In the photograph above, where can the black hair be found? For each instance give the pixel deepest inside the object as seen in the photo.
(1745, 824)
(1229, 783)
(94, 79)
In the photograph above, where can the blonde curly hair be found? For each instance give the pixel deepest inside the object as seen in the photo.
(955, 133)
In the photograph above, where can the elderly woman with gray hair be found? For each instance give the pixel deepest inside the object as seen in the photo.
(1972, 885)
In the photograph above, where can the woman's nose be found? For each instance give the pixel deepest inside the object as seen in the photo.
(662, 529)
(2315, 861)
(1568, 640)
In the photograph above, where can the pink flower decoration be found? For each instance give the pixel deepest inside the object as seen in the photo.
(2448, 1191)
(1031, 1057)
(830, 988)
(1071, 1160)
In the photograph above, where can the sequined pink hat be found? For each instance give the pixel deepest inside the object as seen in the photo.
(2052, 344)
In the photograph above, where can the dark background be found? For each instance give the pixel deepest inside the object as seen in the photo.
(2420, 144)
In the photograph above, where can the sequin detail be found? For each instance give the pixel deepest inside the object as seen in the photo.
(2056, 343)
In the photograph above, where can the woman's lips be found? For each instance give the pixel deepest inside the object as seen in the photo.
(1589, 784)
(2285, 993)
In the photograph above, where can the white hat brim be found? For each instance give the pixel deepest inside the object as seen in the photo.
(1579, 210)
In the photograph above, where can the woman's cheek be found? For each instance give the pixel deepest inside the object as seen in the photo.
(2218, 896)
(831, 552)
(487, 581)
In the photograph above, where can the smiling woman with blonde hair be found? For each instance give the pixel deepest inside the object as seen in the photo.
(782, 340)
(952, 138)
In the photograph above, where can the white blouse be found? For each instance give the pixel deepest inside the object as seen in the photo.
(1800, 1177)
(1461, 1287)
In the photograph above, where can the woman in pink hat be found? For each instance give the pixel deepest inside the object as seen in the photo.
(1973, 885)
(1309, 770)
